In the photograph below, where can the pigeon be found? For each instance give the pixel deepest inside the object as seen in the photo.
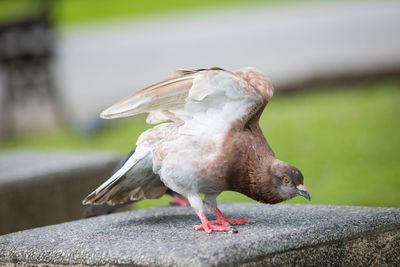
(208, 140)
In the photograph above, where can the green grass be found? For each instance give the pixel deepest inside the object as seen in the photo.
(76, 12)
(345, 140)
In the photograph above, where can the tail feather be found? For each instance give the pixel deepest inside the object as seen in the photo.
(133, 181)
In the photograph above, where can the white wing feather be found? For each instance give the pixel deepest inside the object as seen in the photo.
(181, 97)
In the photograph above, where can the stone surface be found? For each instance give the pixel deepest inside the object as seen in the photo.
(45, 187)
(278, 235)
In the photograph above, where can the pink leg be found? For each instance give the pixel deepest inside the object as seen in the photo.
(207, 226)
(223, 220)
(180, 201)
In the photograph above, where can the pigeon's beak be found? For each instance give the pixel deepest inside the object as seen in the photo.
(302, 190)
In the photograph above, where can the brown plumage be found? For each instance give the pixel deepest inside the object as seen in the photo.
(212, 144)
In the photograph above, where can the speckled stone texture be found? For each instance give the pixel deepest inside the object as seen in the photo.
(278, 235)
(46, 187)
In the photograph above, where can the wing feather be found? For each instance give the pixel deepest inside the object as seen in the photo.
(133, 181)
(191, 91)
(164, 95)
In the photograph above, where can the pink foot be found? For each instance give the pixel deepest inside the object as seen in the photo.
(180, 201)
(225, 221)
(209, 228)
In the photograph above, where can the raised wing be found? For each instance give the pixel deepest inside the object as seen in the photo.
(180, 98)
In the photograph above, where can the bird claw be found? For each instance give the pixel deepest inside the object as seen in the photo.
(209, 228)
(230, 221)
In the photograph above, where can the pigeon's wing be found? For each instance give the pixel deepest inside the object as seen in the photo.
(120, 188)
(164, 95)
(181, 98)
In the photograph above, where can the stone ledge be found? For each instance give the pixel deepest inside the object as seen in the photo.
(45, 187)
(372, 249)
(278, 235)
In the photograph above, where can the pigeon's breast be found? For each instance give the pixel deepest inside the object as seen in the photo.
(186, 163)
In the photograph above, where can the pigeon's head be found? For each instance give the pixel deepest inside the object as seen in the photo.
(288, 180)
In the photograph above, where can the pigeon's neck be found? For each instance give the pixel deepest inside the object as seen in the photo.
(260, 187)
(251, 158)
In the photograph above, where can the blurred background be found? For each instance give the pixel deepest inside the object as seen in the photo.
(335, 66)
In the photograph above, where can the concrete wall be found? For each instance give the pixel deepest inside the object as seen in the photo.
(42, 188)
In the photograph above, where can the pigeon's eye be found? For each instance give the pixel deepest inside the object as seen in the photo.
(286, 179)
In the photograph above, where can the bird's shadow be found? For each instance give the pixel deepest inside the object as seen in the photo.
(159, 220)
(186, 221)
